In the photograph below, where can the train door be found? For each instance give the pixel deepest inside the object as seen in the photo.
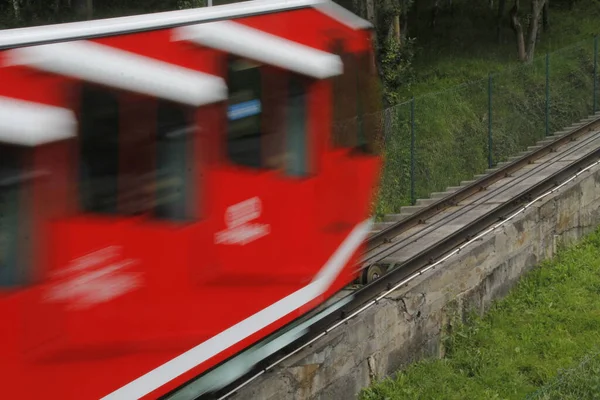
(266, 190)
(133, 177)
(32, 137)
(32, 192)
(271, 179)
(242, 206)
(282, 184)
(140, 187)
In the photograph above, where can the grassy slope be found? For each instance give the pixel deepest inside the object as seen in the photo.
(452, 121)
(549, 321)
(463, 47)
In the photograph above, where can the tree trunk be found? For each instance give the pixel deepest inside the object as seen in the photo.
(434, 12)
(371, 12)
(90, 9)
(526, 47)
(546, 16)
(400, 37)
(500, 16)
(518, 29)
(396, 26)
(379, 68)
(16, 9)
(534, 23)
(404, 24)
(84, 8)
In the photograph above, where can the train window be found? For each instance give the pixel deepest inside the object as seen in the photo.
(369, 105)
(14, 224)
(274, 118)
(357, 119)
(345, 122)
(133, 164)
(266, 118)
(99, 150)
(244, 112)
(174, 180)
(296, 140)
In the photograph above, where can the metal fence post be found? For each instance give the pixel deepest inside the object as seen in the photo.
(490, 142)
(412, 151)
(595, 73)
(547, 94)
(385, 119)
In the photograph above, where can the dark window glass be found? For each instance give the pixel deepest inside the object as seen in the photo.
(267, 118)
(14, 217)
(344, 121)
(135, 155)
(274, 118)
(174, 168)
(296, 138)
(244, 113)
(99, 150)
(370, 116)
(357, 118)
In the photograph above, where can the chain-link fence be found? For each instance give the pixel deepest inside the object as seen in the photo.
(440, 139)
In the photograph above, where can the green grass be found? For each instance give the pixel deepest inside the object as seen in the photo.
(464, 46)
(452, 119)
(579, 382)
(549, 322)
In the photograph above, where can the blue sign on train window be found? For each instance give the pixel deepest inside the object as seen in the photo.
(243, 110)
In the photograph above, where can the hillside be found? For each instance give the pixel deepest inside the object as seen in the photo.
(449, 77)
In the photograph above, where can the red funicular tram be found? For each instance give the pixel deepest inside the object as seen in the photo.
(174, 187)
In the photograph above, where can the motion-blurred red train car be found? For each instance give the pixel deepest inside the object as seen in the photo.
(175, 187)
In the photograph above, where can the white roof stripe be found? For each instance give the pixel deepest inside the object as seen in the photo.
(101, 27)
(159, 376)
(248, 42)
(342, 15)
(30, 124)
(108, 66)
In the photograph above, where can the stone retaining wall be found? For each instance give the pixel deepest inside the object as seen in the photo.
(409, 324)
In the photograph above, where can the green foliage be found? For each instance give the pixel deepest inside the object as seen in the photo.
(42, 12)
(181, 4)
(396, 65)
(579, 382)
(452, 123)
(395, 181)
(548, 323)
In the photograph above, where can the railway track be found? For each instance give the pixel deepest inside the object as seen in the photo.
(411, 243)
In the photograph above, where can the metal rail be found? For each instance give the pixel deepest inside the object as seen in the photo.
(428, 259)
(402, 244)
(481, 184)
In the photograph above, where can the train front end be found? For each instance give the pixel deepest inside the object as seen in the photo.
(170, 196)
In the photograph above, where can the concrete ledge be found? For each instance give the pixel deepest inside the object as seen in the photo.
(409, 324)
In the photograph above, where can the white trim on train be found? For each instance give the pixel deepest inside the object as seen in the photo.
(181, 364)
(257, 45)
(105, 65)
(163, 20)
(27, 123)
